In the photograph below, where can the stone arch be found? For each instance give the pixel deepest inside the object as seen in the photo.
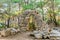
(25, 17)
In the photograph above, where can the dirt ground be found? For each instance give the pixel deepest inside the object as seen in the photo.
(19, 36)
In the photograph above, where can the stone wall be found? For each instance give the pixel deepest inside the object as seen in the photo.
(37, 19)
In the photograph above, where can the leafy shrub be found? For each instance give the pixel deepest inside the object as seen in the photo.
(2, 25)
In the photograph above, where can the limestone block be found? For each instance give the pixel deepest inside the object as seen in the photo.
(18, 30)
(47, 36)
(13, 31)
(38, 36)
(5, 32)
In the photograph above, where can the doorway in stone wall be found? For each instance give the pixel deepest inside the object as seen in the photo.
(31, 20)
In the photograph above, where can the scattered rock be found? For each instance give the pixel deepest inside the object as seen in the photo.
(38, 36)
(5, 33)
(8, 32)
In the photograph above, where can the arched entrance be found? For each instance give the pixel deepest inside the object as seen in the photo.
(30, 18)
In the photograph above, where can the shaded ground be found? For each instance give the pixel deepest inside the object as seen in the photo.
(22, 36)
(19, 36)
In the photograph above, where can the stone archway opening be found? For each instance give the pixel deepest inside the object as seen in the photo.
(30, 19)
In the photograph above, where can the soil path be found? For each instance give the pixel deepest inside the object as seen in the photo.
(19, 36)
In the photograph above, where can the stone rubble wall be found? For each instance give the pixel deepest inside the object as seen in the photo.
(39, 23)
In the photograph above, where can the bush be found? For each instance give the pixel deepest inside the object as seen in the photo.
(2, 25)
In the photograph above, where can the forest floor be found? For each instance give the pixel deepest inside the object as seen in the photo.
(19, 36)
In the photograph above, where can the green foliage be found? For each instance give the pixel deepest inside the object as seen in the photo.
(2, 25)
(15, 1)
(40, 4)
(28, 6)
(57, 1)
(31, 5)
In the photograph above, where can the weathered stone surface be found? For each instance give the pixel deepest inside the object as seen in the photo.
(23, 29)
(38, 36)
(24, 18)
(55, 34)
(5, 32)
(18, 30)
(13, 31)
(8, 32)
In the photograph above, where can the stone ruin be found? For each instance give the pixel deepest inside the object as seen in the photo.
(37, 19)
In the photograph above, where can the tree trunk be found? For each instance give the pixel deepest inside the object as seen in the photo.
(54, 15)
(8, 22)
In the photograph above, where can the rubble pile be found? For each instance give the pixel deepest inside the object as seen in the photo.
(8, 32)
(42, 28)
(55, 34)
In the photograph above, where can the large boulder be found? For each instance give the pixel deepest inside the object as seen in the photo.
(55, 34)
(14, 31)
(6, 32)
(36, 34)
